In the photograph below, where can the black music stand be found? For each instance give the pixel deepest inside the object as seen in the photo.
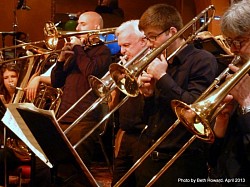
(53, 141)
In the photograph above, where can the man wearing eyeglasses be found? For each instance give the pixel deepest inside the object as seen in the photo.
(230, 154)
(183, 77)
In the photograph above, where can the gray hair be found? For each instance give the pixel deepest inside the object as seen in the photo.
(129, 27)
(236, 20)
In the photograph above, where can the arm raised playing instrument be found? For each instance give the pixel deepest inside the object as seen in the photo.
(128, 85)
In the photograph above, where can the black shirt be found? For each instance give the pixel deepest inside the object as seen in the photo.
(190, 73)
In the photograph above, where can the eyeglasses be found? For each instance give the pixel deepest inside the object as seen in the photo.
(238, 43)
(154, 38)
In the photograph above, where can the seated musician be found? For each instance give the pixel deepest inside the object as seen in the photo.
(8, 81)
(87, 60)
(183, 77)
(230, 154)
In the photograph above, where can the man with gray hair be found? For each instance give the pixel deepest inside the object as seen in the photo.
(230, 154)
(131, 41)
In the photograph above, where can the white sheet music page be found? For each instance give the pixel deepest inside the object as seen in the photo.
(16, 124)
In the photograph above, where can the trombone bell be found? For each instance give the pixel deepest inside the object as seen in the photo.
(100, 87)
(195, 119)
(124, 80)
(198, 116)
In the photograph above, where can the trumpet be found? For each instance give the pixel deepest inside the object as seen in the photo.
(52, 35)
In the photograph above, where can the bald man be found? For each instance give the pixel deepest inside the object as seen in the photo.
(72, 75)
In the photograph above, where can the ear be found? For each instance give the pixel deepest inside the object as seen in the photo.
(172, 31)
(97, 27)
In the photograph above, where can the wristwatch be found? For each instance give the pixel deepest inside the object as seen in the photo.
(244, 110)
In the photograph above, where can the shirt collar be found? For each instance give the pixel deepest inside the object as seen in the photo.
(181, 56)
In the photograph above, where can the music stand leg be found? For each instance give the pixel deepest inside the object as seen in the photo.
(6, 180)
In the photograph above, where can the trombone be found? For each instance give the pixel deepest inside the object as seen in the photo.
(197, 119)
(102, 87)
(39, 51)
(23, 44)
(125, 79)
(198, 116)
(51, 39)
(52, 35)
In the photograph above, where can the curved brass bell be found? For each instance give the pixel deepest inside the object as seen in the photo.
(198, 116)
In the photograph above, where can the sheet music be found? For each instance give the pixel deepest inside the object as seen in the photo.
(16, 124)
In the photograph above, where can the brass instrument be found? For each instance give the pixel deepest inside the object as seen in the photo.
(39, 53)
(30, 65)
(125, 79)
(197, 117)
(201, 130)
(52, 35)
(96, 84)
(23, 44)
(102, 87)
(205, 133)
(52, 38)
(48, 98)
(31, 47)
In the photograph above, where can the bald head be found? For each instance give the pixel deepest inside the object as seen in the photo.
(89, 20)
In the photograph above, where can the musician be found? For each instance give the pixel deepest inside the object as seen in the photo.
(9, 75)
(73, 78)
(230, 153)
(184, 77)
(9, 78)
(8, 81)
(131, 41)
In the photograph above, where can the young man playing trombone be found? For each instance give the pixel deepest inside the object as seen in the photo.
(183, 77)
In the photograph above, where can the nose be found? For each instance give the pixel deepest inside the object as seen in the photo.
(78, 27)
(10, 80)
(123, 50)
(150, 44)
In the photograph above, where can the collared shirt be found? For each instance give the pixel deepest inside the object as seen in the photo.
(74, 79)
(191, 72)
